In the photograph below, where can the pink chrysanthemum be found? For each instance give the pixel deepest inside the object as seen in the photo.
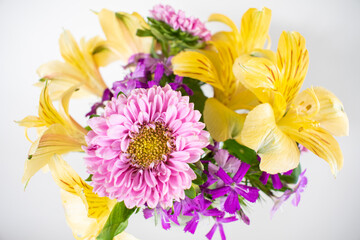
(178, 20)
(139, 149)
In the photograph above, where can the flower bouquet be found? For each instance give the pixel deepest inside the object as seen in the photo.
(159, 142)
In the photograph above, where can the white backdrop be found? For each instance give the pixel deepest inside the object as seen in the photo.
(329, 208)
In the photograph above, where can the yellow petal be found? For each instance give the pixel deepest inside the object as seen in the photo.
(83, 227)
(100, 51)
(278, 152)
(31, 121)
(260, 75)
(331, 116)
(120, 30)
(254, 29)
(216, 17)
(81, 57)
(320, 142)
(198, 66)
(55, 140)
(68, 180)
(222, 122)
(292, 61)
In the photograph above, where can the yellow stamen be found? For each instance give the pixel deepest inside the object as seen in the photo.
(150, 145)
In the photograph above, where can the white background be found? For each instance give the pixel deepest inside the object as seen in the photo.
(329, 208)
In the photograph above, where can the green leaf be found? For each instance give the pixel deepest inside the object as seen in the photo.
(88, 128)
(293, 178)
(201, 177)
(116, 222)
(191, 193)
(89, 179)
(242, 152)
(198, 98)
(94, 115)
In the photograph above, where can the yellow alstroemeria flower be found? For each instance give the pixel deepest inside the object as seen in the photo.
(120, 31)
(58, 132)
(214, 66)
(286, 117)
(86, 212)
(81, 66)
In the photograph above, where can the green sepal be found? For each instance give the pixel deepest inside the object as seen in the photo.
(89, 179)
(88, 128)
(191, 193)
(242, 152)
(116, 222)
(293, 178)
(93, 115)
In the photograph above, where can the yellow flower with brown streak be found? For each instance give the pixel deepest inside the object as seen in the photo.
(120, 31)
(80, 67)
(86, 212)
(58, 132)
(214, 66)
(287, 117)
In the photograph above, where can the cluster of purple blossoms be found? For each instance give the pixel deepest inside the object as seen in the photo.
(219, 185)
(178, 20)
(148, 72)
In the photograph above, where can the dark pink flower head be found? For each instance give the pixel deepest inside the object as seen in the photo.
(139, 149)
(178, 20)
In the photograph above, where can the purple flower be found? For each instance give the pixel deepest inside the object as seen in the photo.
(227, 162)
(200, 206)
(107, 95)
(233, 187)
(218, 224)
(178, 83)
(299, 188)
(165, 216)
(274, 177)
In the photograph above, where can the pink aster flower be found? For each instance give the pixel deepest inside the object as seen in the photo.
(178, 20)
(139, 149)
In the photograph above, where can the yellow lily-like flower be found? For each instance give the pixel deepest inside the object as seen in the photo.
(286, 117)
(81, 66)
(58, 132)
(120, 31)
(86, 212)
(214, 66)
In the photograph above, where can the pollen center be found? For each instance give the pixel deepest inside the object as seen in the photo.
(150, 145)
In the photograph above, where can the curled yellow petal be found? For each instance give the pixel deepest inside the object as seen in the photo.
(216, 17)
(254, 29)
(320, 142)
(55, 140)
(331, 115)
(278, 152)
(120, 31)
(198, 66)
(222, 122)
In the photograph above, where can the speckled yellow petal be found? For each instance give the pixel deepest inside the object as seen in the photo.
(198, 66)
(319, 141)
(292, 62)
(254, 29)
(222, 122)
(278, 152)
(260, 75)
(68, 180)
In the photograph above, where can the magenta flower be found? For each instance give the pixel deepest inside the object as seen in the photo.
(139, 149)
(178, 20)
(227, 162)
(233, 188)
(218, 224)
(299, 188)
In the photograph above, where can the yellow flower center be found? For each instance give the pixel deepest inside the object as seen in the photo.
(150, 145)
